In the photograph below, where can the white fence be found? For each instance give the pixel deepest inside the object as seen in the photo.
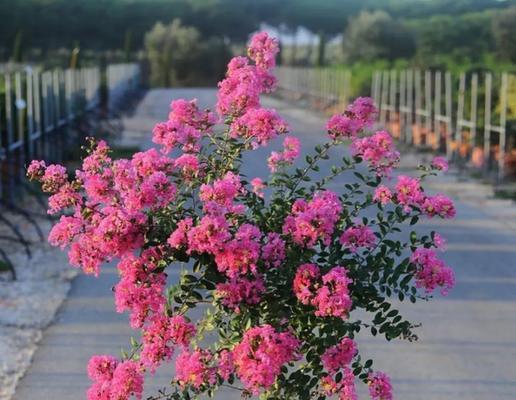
(121, 79)
(464, 116)
(323, 87)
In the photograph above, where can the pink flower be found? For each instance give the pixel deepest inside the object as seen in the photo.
(241, 89)
(339, 356)
(36, 170)
(380, 387)
(313, 221)
(345, 388)
(359, 115)
(189, 166)
(409, 192)
(64, 198)
(226, 364)
(305, 282)
(238, 291)
(194, 369)
(179, 237)
(181, 331)
(382, 194)
(262, 50)
(342, 126)
(127, 381)
(239, 255)
(222, 192)
(378, 150)
(140, 289)
(183, 128)
(64, 232)
(439, 242)
(334, 298)
(258, 358)
(273, 252)
(188, 113)
(53, 178)
(432, 272)
(258, 186)
(438, 205)
(275, 161)
(357, 237)
(101, 368)
(291, 147)
(99, 391)
(440, 163)
(209, 235)
(364, 110)
(259, 125)
(156, 342)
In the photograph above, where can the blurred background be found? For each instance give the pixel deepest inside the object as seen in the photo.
(186, 42)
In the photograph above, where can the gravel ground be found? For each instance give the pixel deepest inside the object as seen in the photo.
(28, 304)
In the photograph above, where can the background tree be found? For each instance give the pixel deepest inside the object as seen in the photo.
(169, 48)
(461, 37)
(504, 31)
(376, 35)
(178, 55)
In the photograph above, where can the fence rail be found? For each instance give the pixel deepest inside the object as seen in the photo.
(120, 79)
(38, 109)
(323, 87)
(463, 116)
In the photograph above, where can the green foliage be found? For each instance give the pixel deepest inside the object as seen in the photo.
(461, 37)
(375, 35)
(504, 31)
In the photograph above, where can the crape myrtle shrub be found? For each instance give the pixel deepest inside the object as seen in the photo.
(280, 276)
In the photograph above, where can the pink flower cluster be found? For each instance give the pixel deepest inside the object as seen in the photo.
(380, 387)
(358, 115)
(244, 83)
(314, 220)
(344, 389)
(342, 126)
(114, 380)
(184, 126)
(333, 299)
(339, 356)
(330, 294)
(440, 163)
(258, 358)
(357, 237)
(239, 291)
(140, 289)
(159, 337)
(195, 368)
(259, 125)
(382, 194)
(258, 185)
(291, 148)
(431, 271)
(410, 194)
(262, 50)
(109, 221)
(378, 150)
(273, 251)
(306, 282)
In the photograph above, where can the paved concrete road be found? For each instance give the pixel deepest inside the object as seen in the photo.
(467, 346)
